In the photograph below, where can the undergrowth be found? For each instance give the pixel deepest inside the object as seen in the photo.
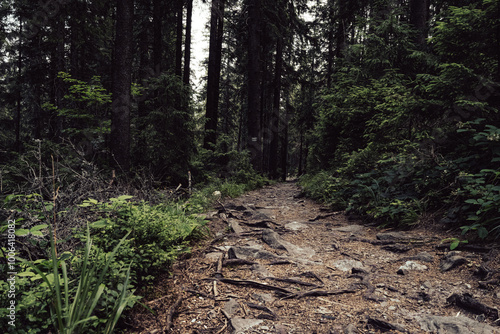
(72, 280)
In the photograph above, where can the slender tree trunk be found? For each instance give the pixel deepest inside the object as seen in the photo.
(57, 87)
(19, 88)
(187, 43)
(284, 142)
(342, 28)
(178, 42)
(275, 116)
(122, 74)
(254, 78)
(331, 45)
(157, 35)
(214, 68)
(301, 146)
(498, 42)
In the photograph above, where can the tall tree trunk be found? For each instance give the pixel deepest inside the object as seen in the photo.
(331, 44)
(57, 84)
(157, 35)
(342, 28)
(275, 116)
(214, 67)
(301, 147)
(498, 42)
(284, 141)
(19, 89)
(178, 42)
(187, 43)
(419, 13)
(122, 74)
(254, 79)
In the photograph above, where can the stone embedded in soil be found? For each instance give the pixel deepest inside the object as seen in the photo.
(235, 226)
(348, 264)
(397, 248)
(452, 260)
(295, 226)
(249, 252)
(261, 271)
(275, 241)
(272, 239)
(453, 325)
(349, 228)
(213, 256)
(422, 256)
(412, 265)
(231, 307)
(240, 325)
(350, 329)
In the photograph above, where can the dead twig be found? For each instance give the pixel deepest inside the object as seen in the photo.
(254, 284)
(194, 292)
(292, 281)
(315, 293)
(224, 327)
(171, 312)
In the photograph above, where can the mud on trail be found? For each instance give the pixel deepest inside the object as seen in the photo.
(279, 263)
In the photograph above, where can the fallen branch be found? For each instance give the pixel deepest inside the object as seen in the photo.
(466, 301)
(275, 263)
(310, 274)
(315, 293)
(171, 311)
(194, 292)
(254, 284)
(292, 281)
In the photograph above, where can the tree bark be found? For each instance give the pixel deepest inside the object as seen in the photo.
(19, 88)
(157, 35)
(275, 116)
(331, 44)
(178, 42)
(122, 73)
(214, 68)
(254, 140)
(187, 43)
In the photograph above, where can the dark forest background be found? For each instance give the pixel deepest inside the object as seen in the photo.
(387, 109)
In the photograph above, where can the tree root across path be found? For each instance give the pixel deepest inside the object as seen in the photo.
(280, 263)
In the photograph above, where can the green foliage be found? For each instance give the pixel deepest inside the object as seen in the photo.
(164, 131)
(158, 233)
(401, 143)
(84, 110)
(84, 290)
(481, 194)
(73, 311)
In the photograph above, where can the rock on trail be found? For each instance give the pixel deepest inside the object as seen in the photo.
(278, 263)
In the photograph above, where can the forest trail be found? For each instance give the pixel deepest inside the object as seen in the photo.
(280, 263)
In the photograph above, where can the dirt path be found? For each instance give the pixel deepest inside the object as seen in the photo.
(279, 263)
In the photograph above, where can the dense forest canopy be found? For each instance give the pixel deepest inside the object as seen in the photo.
(399, 97)
(388, 109)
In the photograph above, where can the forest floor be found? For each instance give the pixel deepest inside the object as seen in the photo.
(280, 263)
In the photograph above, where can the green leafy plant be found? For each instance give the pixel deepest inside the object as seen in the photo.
(158, 233)
(454, 242)
(72, 313)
